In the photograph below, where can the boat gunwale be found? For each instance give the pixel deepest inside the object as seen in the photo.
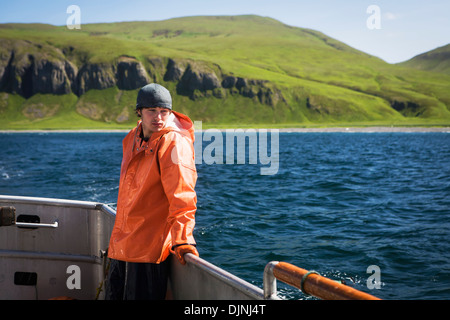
(58, 202)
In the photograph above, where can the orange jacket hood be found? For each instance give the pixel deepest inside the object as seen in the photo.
(157, 202)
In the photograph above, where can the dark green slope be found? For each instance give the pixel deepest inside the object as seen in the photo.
(437, 60)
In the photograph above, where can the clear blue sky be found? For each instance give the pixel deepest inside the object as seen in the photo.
(407, 27)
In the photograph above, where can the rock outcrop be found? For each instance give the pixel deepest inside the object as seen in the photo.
(407, 108)
(198, 79)
(28, 68)
(43, 71)
(131, 74)
(95, 76)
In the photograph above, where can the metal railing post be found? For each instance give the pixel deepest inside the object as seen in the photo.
(269, 281)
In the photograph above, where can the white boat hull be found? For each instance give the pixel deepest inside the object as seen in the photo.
(62, 255)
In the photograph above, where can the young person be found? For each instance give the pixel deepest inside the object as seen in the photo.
(157, 202)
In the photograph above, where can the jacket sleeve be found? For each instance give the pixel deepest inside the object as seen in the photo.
(179, 176)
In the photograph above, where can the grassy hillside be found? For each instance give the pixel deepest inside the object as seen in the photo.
(437, 60)
(317, 80)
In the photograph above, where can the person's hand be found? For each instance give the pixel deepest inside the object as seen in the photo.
(180, 251)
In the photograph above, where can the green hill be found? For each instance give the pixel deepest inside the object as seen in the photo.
(225, 71)
(437, 60)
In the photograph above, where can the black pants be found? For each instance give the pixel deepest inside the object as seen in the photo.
(137, 281)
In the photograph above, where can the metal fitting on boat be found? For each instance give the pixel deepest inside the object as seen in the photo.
(7, 216)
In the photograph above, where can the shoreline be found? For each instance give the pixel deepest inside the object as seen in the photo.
(374, 129)
(369, 129)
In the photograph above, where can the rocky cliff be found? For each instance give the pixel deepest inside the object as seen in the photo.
(28, 68)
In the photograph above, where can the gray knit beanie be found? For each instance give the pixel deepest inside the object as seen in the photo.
(154, 95)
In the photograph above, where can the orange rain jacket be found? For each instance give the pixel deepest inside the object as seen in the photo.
(157, 203)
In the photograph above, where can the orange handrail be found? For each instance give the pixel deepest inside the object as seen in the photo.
(316, 285)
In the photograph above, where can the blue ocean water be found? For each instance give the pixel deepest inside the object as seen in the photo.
(339, 203)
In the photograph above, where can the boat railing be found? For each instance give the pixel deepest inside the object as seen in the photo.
(199, 279)
(309, 282)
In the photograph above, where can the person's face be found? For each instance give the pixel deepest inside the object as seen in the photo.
(153, 119)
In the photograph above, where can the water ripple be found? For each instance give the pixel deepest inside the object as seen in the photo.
(338, 204)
